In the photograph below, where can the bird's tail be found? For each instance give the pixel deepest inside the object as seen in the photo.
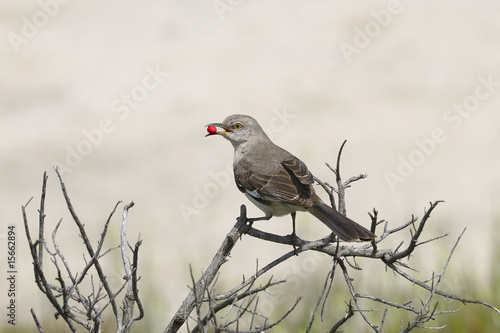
(342, 226)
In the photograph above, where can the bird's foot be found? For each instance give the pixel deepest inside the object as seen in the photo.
(295, 243)
(262, 218)
(334, 238)
(250, 223)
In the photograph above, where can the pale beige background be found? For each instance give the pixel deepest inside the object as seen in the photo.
(260, 58)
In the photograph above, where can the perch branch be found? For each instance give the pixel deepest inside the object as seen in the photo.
(208, 276)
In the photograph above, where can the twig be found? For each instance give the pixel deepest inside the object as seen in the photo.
(132, 294)
(340, 187)
(332, 275)
(267, 326)
(135, 279)
(40, 279)
(329, 190)
(41, 220)
(347, 279)
(220, 257)
(37, 323)
(324, 292)
(413, 241)
(61, 296)
(86, 241)
(197, 301)
(343, 320)
(392, 304)
(441, 293)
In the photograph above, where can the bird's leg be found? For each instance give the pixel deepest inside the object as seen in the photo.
(294, 235)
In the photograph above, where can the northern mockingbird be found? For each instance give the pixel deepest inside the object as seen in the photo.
(276, 181)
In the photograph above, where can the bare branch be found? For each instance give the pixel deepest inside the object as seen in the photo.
(349, 314)
(135, 279)
(266, 327)
(413, 242)
(87, 243)
(41, 220)
(392, 304)
(37, 323)
(208, 276)
(132, 294)
(324, 290)
(441, 293)
(239, 305)
(348, 281)
(329, 190)
(340, 186)
(40, 279)
(67, 292)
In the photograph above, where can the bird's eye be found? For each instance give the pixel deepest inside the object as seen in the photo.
(238, 126)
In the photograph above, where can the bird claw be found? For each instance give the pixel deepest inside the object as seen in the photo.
(295, 243)
(334, 238)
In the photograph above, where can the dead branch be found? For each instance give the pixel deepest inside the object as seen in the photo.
(237, 309)
(329, 245)
(343, 320)
(67, 297)
(209, 275)
(132, 294)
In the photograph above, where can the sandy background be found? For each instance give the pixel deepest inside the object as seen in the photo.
(77, 90)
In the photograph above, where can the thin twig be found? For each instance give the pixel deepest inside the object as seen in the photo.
(418, 232)
(320, 297)
(40, 279)
(41, 220)
(343, 320)
(88, 245)
(340, 186)
(37, 323)
(329, 190)
(61, 296)
(348, 281)
(220, 257)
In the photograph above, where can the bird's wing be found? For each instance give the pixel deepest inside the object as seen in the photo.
(290, 182)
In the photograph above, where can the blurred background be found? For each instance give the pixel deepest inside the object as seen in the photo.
(117, 94)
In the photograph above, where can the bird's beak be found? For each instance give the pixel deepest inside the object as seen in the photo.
(218, 126)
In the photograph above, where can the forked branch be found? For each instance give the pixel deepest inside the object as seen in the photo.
(66, 297)
(203, 291)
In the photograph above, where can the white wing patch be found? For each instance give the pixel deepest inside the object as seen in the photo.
(254, 193)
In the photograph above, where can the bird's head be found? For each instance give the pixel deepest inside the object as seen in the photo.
(237, 128)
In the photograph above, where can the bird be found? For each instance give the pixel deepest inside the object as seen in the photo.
(276, 181)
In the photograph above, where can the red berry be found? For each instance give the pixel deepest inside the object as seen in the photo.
(212, 129)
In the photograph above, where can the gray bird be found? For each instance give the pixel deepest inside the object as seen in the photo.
(277, 182)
